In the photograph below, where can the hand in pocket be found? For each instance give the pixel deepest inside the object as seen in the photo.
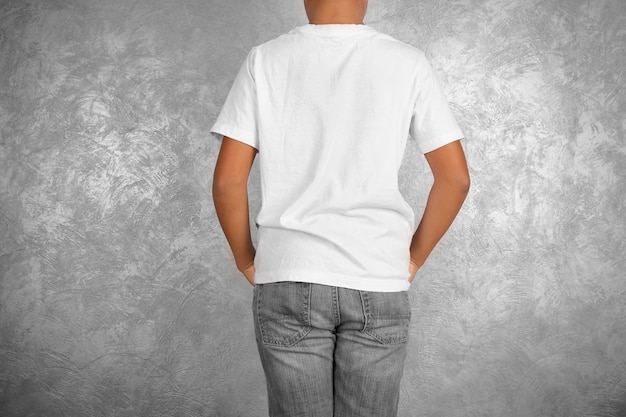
(248, 272)
(413, 267)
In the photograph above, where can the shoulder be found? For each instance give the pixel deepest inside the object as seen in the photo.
(402, 50)
(282, 41)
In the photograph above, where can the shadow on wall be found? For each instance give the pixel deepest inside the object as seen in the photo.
(117, 289)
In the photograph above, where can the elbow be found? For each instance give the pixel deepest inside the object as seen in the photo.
(225, 186)
(459, 183)
(464, 183)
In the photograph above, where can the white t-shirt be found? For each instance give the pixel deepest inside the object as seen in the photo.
(330, 108)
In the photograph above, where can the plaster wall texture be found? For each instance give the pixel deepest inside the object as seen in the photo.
(118, 294)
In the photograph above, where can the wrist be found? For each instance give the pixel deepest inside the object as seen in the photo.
(247, 263)
(414, 266)
(417, 257)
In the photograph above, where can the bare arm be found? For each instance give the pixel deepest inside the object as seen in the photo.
(230, 196)
(451, 185)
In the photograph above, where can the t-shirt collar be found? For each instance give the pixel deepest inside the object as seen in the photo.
(334, 29)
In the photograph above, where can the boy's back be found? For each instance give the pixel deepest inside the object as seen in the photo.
(329, 108)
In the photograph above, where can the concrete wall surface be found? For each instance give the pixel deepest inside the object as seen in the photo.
(118, 294)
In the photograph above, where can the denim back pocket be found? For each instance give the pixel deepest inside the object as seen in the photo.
(387, 316)
(282, 312)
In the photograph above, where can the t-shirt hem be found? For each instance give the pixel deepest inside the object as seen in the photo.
(233, 132)
(441, 140)
(335, 280)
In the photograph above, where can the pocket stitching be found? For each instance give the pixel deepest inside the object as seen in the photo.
(402, 338)
(304, 320)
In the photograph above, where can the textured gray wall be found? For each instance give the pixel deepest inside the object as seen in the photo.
(118, 295)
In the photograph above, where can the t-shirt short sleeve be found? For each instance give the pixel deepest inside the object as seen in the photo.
(238, 117)
(432, 124)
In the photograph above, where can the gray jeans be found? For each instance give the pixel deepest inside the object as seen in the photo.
(330, 351)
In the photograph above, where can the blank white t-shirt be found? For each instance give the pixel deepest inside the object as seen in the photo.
(329, 108)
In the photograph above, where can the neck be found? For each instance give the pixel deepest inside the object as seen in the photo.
(336, 12)
(335, 20)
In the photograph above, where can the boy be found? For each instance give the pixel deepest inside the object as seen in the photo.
(328, 107)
